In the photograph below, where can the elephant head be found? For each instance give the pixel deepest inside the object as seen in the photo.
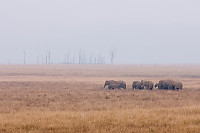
(106, 83)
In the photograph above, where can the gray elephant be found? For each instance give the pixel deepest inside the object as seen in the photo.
(174, 85)
(112, 84)
(134, 84)
(137, 85)
(179, 85)
(162, 84)
(148, 84)
(165, 84)
(169, 85)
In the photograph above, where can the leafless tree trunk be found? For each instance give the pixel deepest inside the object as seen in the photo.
(24, 57)
(68, 58)
(112, 56)
(84, 60)
(80, 56)
(95, 60)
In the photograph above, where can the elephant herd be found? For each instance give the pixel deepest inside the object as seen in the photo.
(145, 84)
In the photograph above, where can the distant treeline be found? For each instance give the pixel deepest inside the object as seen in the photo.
(49, 57)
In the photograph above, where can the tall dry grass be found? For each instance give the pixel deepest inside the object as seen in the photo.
(134, 120)
(72, 99)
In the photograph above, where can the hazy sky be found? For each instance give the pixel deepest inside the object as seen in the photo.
(139, 31)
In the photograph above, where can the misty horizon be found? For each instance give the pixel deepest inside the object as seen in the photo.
(138, 32)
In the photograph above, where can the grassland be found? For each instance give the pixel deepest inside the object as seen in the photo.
(71, 98)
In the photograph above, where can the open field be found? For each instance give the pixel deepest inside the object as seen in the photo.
(71, 98)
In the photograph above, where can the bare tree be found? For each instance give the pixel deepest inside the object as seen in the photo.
(95, 60)
(68, 58)
(80, 56)
(84, 59)
(24, 57)
(48, 57)
(112, 56)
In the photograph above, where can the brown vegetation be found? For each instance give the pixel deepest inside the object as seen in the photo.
(71, 98)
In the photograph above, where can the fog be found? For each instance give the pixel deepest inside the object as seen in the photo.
(138, 32)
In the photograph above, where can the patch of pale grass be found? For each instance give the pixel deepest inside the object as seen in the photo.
(136, 120)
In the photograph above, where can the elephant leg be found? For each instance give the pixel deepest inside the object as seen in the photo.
(111, 88)
(172, 88)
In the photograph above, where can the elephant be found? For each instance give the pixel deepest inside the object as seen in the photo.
(147, 84)
(137, 85)
(179, 85)
(169, 85)
(112, 84)
(165, 84)
(162, 84)
(174, 85)
(134, 84)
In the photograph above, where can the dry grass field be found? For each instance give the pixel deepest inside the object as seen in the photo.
(71, 98)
